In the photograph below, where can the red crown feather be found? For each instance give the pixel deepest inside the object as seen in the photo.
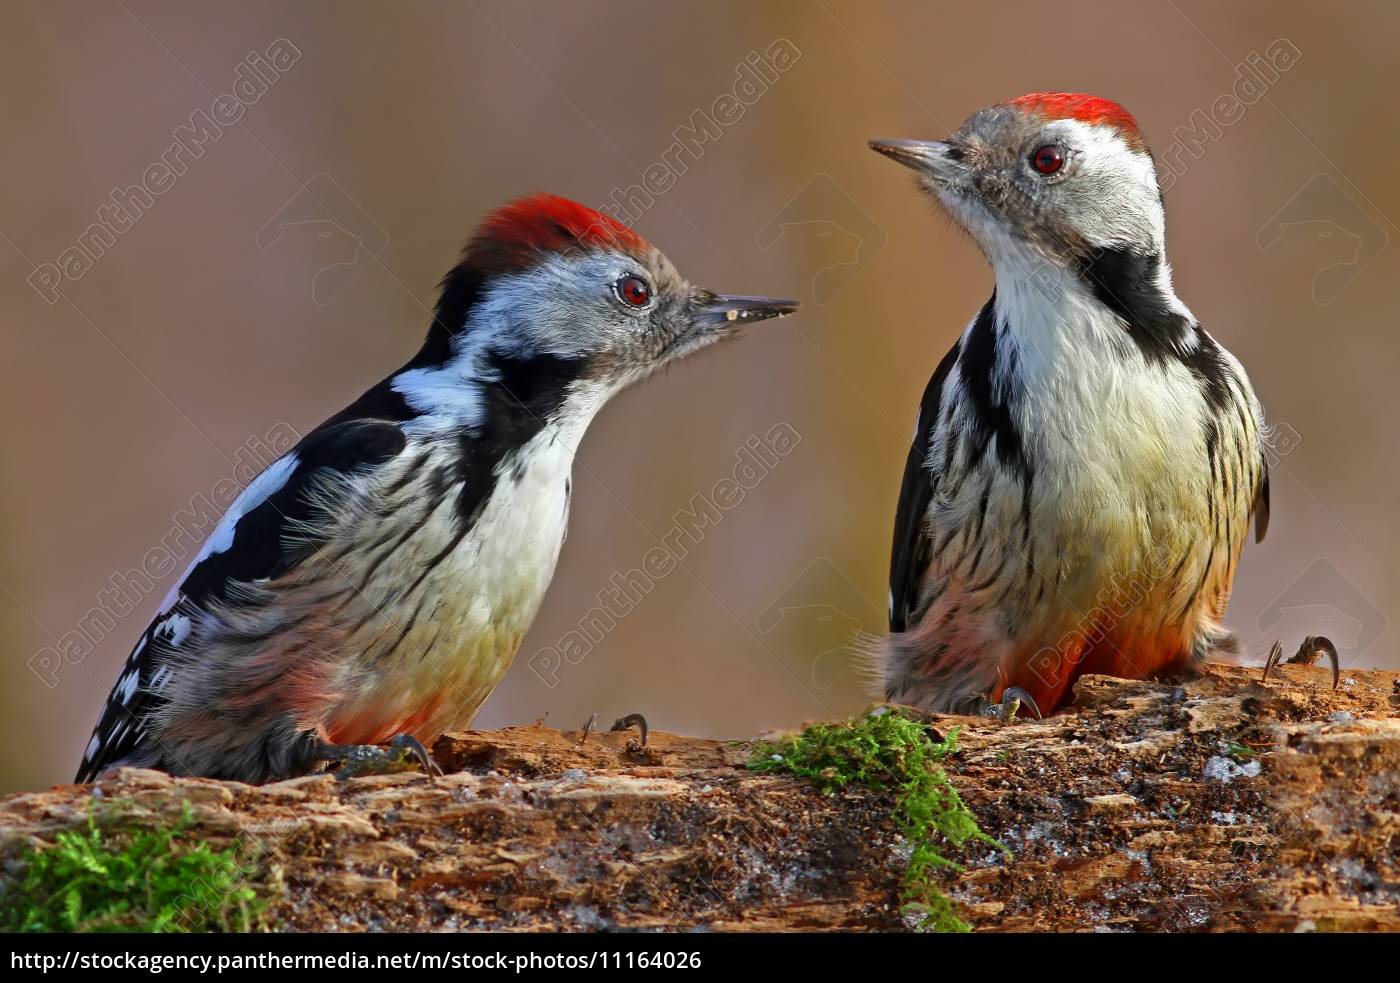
(516, 235)
(1085, 108)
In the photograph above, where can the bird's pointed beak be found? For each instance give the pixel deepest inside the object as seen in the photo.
(936, 158)
(711, 317)
(717, 310)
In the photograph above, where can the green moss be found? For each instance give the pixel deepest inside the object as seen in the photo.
(887, 750)
(110, 880)
(1238, 751)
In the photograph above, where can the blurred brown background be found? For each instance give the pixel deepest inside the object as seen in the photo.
(288, 264)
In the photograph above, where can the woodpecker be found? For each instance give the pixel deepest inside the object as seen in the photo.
(373, 585)
(1087, 458)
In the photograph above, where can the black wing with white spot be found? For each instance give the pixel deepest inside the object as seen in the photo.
(913, 546)
(253, 542)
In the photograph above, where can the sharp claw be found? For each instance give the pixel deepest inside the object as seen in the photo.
(411, 744)
(1336, 662)
(1275, 654)
(1308, 653)
(1017, 693)
(372, 759)
(1011, 699)
(588, 728)
(1312, 649)
(630, 721)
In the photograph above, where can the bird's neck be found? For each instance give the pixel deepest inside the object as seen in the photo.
(1115, 300)
(498, 392)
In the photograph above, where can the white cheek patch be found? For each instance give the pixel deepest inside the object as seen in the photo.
(1113, 191)
(514, 316)
(551, 307)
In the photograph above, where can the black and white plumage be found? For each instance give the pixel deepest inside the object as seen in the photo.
(1087, 458)
(377, 579)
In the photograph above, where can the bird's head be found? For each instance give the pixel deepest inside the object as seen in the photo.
(547, 279)
(1049, 176)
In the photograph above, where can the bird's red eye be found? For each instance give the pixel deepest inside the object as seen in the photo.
(1048, 159)
(634, 290)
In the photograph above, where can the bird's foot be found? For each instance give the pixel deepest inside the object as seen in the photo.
(1314, 647)
(630, 721)
(404, 753)
(1012, 699)
(621, 724)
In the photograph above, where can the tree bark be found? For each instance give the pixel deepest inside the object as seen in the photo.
(1216, 804)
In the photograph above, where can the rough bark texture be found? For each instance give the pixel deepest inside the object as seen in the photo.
(1142, 808)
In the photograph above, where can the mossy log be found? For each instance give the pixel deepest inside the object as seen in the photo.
(1215, 804)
